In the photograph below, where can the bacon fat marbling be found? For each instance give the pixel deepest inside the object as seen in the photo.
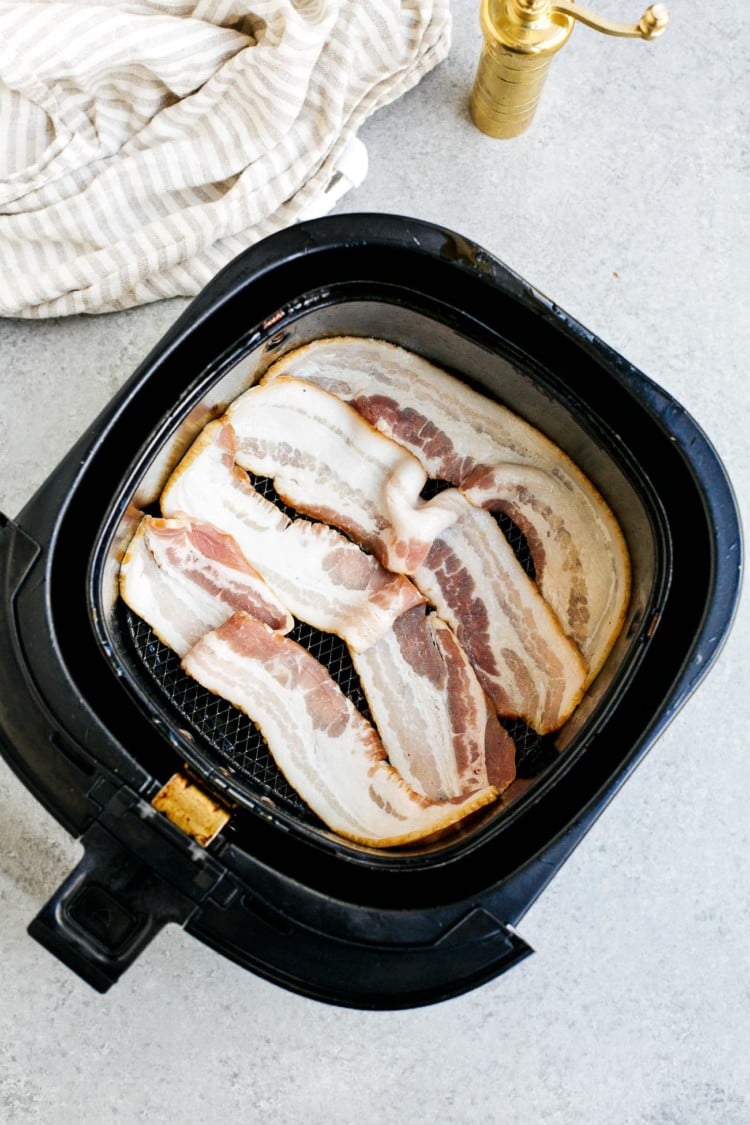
(321, 576)
(502, 462)
(328, 462)
(184, 577)
(325, 748)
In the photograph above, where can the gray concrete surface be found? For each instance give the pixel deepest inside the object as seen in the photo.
(627, 203)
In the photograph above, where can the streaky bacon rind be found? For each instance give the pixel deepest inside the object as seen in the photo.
(325, 748)
(326, 461)
(185, 577)
(321, 577)
(463, 437)
(434, 719)
(522, 657)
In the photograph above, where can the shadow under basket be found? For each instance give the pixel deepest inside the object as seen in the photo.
(96, 714)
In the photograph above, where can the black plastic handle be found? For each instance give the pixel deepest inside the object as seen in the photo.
(107, 911)
(138, 872)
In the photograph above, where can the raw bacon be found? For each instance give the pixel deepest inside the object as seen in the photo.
(328, 752)
(579, 553)
(185, 577)
(524, 661)
(588, 589)
(435, 721)
(349, 429)
(328, 462)
(320, 576)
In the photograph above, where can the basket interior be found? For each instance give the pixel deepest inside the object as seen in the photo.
(223, 745)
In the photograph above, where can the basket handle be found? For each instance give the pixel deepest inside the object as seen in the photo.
(107, 911)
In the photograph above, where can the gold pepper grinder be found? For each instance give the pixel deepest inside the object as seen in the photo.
(520, 39)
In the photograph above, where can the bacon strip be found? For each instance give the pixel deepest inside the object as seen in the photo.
(588, 590)
(434, 719)
(327, 462)
(320, 576)
(327, 751)
(579, 553)
(184, 578)
(523, 660)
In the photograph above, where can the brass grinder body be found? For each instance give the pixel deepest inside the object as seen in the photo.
(521, 37)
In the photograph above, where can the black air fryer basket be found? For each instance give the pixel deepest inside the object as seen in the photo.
(96, 715)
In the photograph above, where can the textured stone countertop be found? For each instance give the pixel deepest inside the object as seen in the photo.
(627, 203)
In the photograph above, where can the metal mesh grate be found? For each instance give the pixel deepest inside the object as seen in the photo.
(230, 739)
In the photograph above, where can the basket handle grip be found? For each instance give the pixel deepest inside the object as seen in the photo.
(107, 911)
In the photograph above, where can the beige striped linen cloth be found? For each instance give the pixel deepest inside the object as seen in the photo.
(145, 143)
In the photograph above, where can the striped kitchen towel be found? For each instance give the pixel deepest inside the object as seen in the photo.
(145, 143)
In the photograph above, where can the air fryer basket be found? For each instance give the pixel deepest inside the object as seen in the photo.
(95, 714)
(213, 735)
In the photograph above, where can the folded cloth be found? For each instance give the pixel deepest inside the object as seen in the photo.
(145, 143)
